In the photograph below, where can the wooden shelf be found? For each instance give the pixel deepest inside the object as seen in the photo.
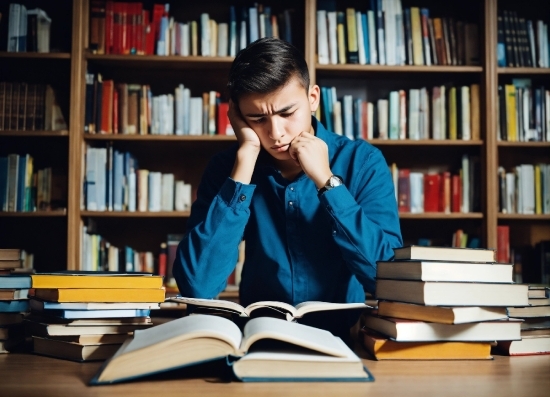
(194, 138)
(398, 69)
(34, 133)
(524, 217)
(441, 215)
(137, 214)
(423, 142)
(156, 61)
(545, 71)
(523, 144)
(35, 55)
(34, 214)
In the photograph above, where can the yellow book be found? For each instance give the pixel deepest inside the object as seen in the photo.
(95, 281)
(341, 38)
(353, 48)
(112, 295)
(452, 114)
(418, 56)
(511, 122)
(386, 349)
(474, 112)
(538, 190)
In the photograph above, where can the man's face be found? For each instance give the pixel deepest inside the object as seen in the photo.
(280, 116)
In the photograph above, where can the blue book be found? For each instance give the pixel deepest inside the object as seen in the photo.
(253, 29)
(14, 306)
(15, 282)
(366, 37)
(326, 110)
(109, 177)
(3, 183)
(76, 314)
(129, 259)
(232, 31)
(268, 27)
(347, 111)
(21, 179)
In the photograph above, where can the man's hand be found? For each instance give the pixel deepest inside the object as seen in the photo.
(311, 153)
(245, 135)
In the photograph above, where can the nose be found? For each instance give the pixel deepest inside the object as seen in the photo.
(276, 132)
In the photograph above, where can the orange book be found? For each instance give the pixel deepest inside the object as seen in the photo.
(107, 107)
(68, 280)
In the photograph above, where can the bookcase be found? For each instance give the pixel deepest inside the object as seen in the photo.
(55, 237)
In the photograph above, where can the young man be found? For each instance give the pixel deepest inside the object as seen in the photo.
(316, 209)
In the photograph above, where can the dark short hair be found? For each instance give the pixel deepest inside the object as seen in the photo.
(264, 66)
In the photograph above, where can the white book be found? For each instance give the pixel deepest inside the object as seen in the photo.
(465, 113)
(400, 33)
(195, 116)
(43, 23)
(417, 192)
(173, 31)
(223, 36)
(205, 35)
(370, 120)
(13, 27)
(414, 114)
(465, 205)
(167, 195)
(527, 188)
(394, 115)
(254, 32)
(112, 258)
(182, 196)
(179, 109)
(232, 30)
(261, 21)
(443, 112)
(132, 193)
(511, 206)
(91, 196)
(213, 38)
(143, 190)
(390, 31)
(155, 191)
(322, 38)
(186, 110)
(525, 101)
(101, 180)
(337, 115)
(348, 116)
(424, 114)
(372, 37)
(382, 107)
(519, 194)
(185, 39)
(243, 42)
(332, 27)
(360, 39)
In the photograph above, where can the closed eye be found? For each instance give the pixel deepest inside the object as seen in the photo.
(285, 115)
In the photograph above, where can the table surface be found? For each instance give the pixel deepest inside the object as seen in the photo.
(31, 375)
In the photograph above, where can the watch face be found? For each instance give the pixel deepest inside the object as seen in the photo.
(335, 181)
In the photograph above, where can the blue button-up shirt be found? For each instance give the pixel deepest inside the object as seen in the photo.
(299, 247)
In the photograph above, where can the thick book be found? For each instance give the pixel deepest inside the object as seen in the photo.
(94, 339)
(77, 322)
(531, 343)
(47, 330)
(10, 254)
(43, 305)
(419, 331)
(97, 280)
(417, 252)
(100, 295)
(529, 311)
(296, 353)
(16, 282)
(114, 314)
(383, 348)
(446, 271)
(73, 351)
(14, 306)
(443, 315)
(452, 293)
(290, 312)
(13, 294)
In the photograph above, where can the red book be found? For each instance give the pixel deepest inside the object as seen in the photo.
(224, 125)
(431, 192)
(162, 260)
(117, 28)
(404, 190)
(456, 193)
(125, 27)
(109, 27)
(364, 120)
(115, 111)
(139, 29)
(445, 192)
(148, 34)
(158, 12)
(503, 244)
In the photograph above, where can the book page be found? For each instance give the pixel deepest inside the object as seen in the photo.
(297, 334)
(316, 306)
(215, 303)
(199, 326)
(279, 306)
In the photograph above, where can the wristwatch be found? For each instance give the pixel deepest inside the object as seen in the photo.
(332, 182)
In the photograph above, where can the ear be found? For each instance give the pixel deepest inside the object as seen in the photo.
(314, 96)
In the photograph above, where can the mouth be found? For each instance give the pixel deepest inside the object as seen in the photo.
(281, 148)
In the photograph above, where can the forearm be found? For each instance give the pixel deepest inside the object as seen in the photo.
(244, 164)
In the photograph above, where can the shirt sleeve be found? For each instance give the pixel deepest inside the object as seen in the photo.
(208, 252)
(366, 223)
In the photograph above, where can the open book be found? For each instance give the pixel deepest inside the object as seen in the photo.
(308, 354)
(290, 312)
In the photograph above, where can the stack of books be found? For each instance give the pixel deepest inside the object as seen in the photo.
(14, 290)
(535, 329)
(87, 316)
(442, 303)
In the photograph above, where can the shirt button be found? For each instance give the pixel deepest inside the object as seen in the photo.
(242, 198)
(292, 189)
(290, 203)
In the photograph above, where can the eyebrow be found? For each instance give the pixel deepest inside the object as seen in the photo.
(283, 110)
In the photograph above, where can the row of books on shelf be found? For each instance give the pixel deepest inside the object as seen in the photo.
(450, 113)
(388, 34)
(28, 30)
(525, 189)
(29, 107)
(119, 108)
(434, 191)
(521, 42)
(114, 182)
(524, 112)
(24, 189)
(128, 28)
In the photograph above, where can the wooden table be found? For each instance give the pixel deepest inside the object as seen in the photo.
(31, 375)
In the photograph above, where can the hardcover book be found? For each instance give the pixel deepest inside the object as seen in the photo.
(416, 252)
(302, 354)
